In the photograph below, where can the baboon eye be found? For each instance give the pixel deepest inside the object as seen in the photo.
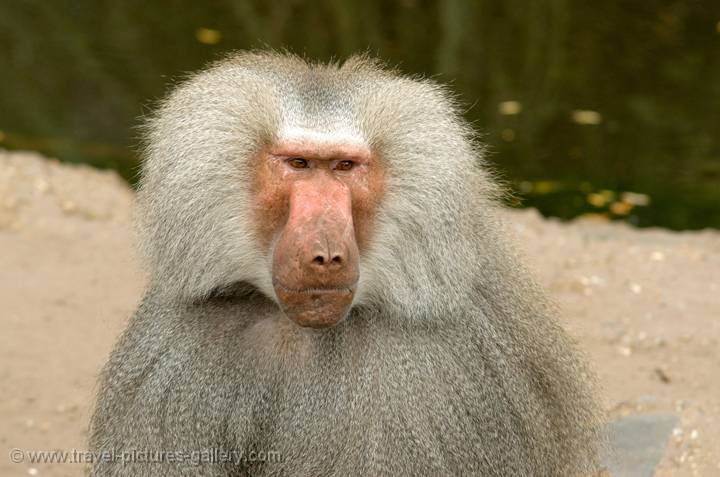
(298, 163)
(344, 165)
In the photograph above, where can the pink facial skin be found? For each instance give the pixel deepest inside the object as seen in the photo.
(315, 205)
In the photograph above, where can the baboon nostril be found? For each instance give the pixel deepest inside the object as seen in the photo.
(323, 260)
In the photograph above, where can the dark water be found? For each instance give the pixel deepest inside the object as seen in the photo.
(608, 107)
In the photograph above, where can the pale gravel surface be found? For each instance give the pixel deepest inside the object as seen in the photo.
(644, 305)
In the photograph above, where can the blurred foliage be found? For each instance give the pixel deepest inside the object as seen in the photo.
(580, 102)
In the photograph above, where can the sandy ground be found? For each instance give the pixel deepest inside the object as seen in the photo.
(645, 306)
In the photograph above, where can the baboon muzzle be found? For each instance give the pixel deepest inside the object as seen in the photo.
(315, 261)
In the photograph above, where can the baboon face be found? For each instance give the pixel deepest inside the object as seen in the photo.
(316, 197)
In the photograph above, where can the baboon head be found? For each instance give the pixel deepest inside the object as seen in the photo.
(323, 187)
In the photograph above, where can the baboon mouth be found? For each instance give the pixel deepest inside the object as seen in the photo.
(316, 290)
(315, 307)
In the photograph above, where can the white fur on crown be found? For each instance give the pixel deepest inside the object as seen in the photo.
(301, 134)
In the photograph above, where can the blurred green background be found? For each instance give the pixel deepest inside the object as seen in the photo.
(609, 108)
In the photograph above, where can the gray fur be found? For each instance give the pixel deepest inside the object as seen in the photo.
(450, 362)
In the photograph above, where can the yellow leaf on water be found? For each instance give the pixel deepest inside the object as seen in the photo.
(208, 36)
(620, 208)
(635, 198)
(586, 117)
(608, 195)
(525, 187)
(544, 187)
(596, 199)
(509, 108)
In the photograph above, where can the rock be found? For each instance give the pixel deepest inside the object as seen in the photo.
(637, 443)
